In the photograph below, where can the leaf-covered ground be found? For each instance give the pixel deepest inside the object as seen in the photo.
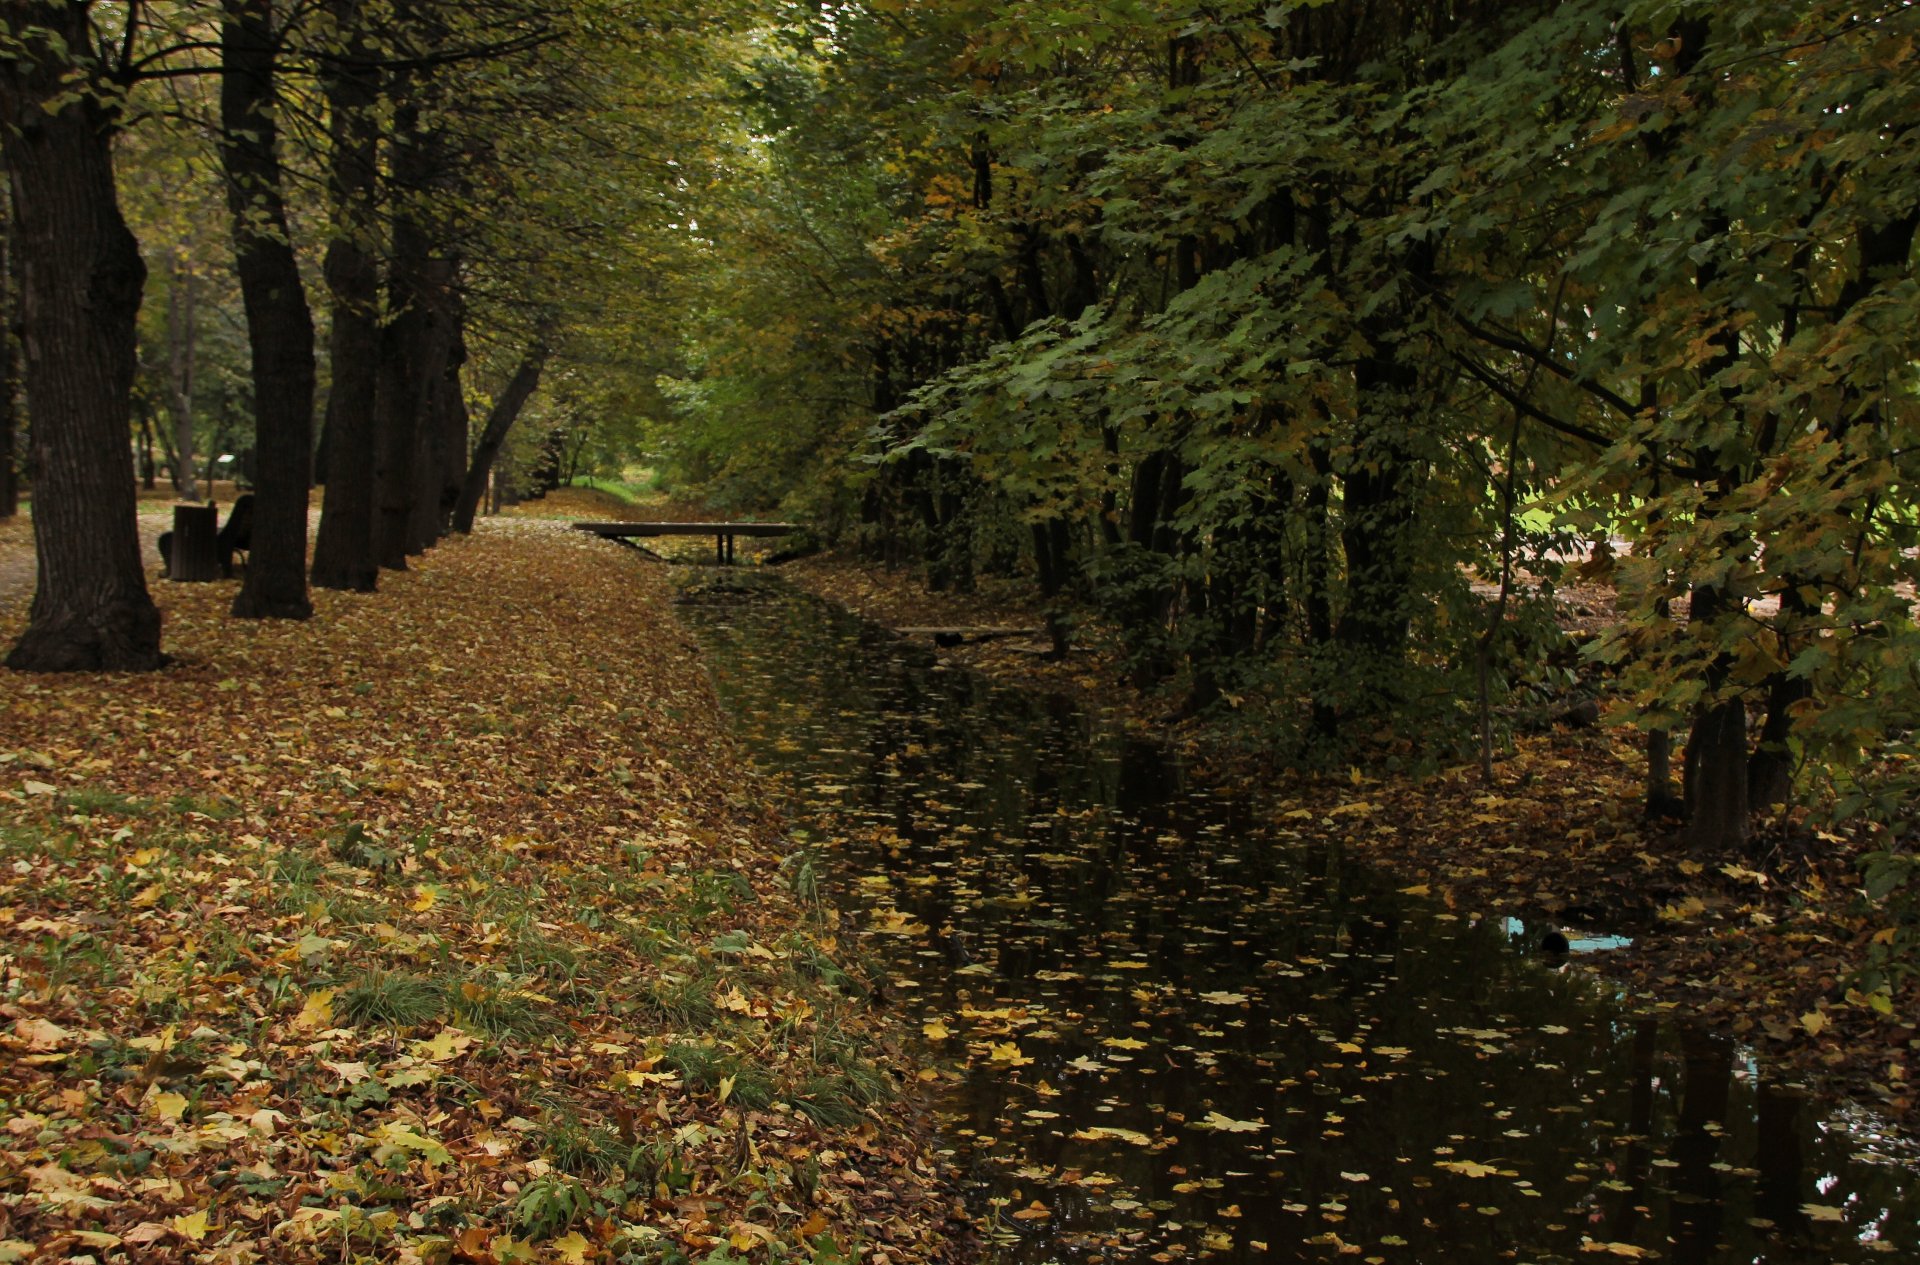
(1762, 946)
(444, 927)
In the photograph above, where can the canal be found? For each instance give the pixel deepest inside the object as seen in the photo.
(1164, 1032)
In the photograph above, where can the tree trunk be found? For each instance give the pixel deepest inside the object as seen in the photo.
(1716, 762)
(343, 554)
(279, 327)
(1377, 531)
(9, 371)
(456, 427)
(500, 419)
(81, 279)
(143, 407)
(438, 377)
(395, 412)
(180, 347)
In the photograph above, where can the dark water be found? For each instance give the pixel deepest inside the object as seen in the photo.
(1170, 1033)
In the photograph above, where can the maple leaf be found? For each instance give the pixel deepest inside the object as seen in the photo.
(1467, 1168)
(317, 1012)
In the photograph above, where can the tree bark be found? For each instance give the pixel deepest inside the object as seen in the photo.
(343, 553)
(279, 326)
(1716, 761)
(500, 419)
(180, 349)
(81, 280)
(413, 347)
(9, 373)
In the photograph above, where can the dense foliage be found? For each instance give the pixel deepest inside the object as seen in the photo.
(1316, 344)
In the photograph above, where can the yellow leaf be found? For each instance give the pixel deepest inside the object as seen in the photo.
(935, 1030)
(573, 1247)
(317, 1013)
(1815, 1023)
(1008, 1052)
(1102, 1132)
(1125, 1043)
(424, 898)
(446, 1045)
(41, 1035)
(726, 1086)
(149, 895)
(1227, 1124)
(169, 1106)
(1682, 910)
(192, 1228)
(1467, 1168)
(1418, 889)
(1822, 1212)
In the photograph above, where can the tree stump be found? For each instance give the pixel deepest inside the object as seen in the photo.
(196, 532)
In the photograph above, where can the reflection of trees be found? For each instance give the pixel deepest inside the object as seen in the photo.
(1694, 1210)
(1632, 1172)
(1781, 1160)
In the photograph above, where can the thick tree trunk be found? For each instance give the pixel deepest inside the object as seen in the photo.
(9, 373)
(343, 553)
(456, 426)
(436, 468)
(500, 419)
(180, 348)
(417, 338)
(81, 279)
(279, 327)
(396, 413)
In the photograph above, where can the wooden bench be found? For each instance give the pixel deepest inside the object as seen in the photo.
(723, 533)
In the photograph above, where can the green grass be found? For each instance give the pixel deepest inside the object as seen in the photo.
(632, 487)
(393, 998)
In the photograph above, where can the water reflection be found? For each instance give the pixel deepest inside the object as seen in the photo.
(1174, 1033)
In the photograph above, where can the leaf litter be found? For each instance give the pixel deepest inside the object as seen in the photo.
(444, 927)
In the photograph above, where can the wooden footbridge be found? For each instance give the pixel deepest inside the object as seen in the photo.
(723, 533)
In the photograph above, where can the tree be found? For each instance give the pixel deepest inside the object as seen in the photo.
(279, 328)
(343, 553)
(80, 286)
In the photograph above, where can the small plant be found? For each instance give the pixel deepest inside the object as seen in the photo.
(357, 848)
(550, 1205)
(591, 1151)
